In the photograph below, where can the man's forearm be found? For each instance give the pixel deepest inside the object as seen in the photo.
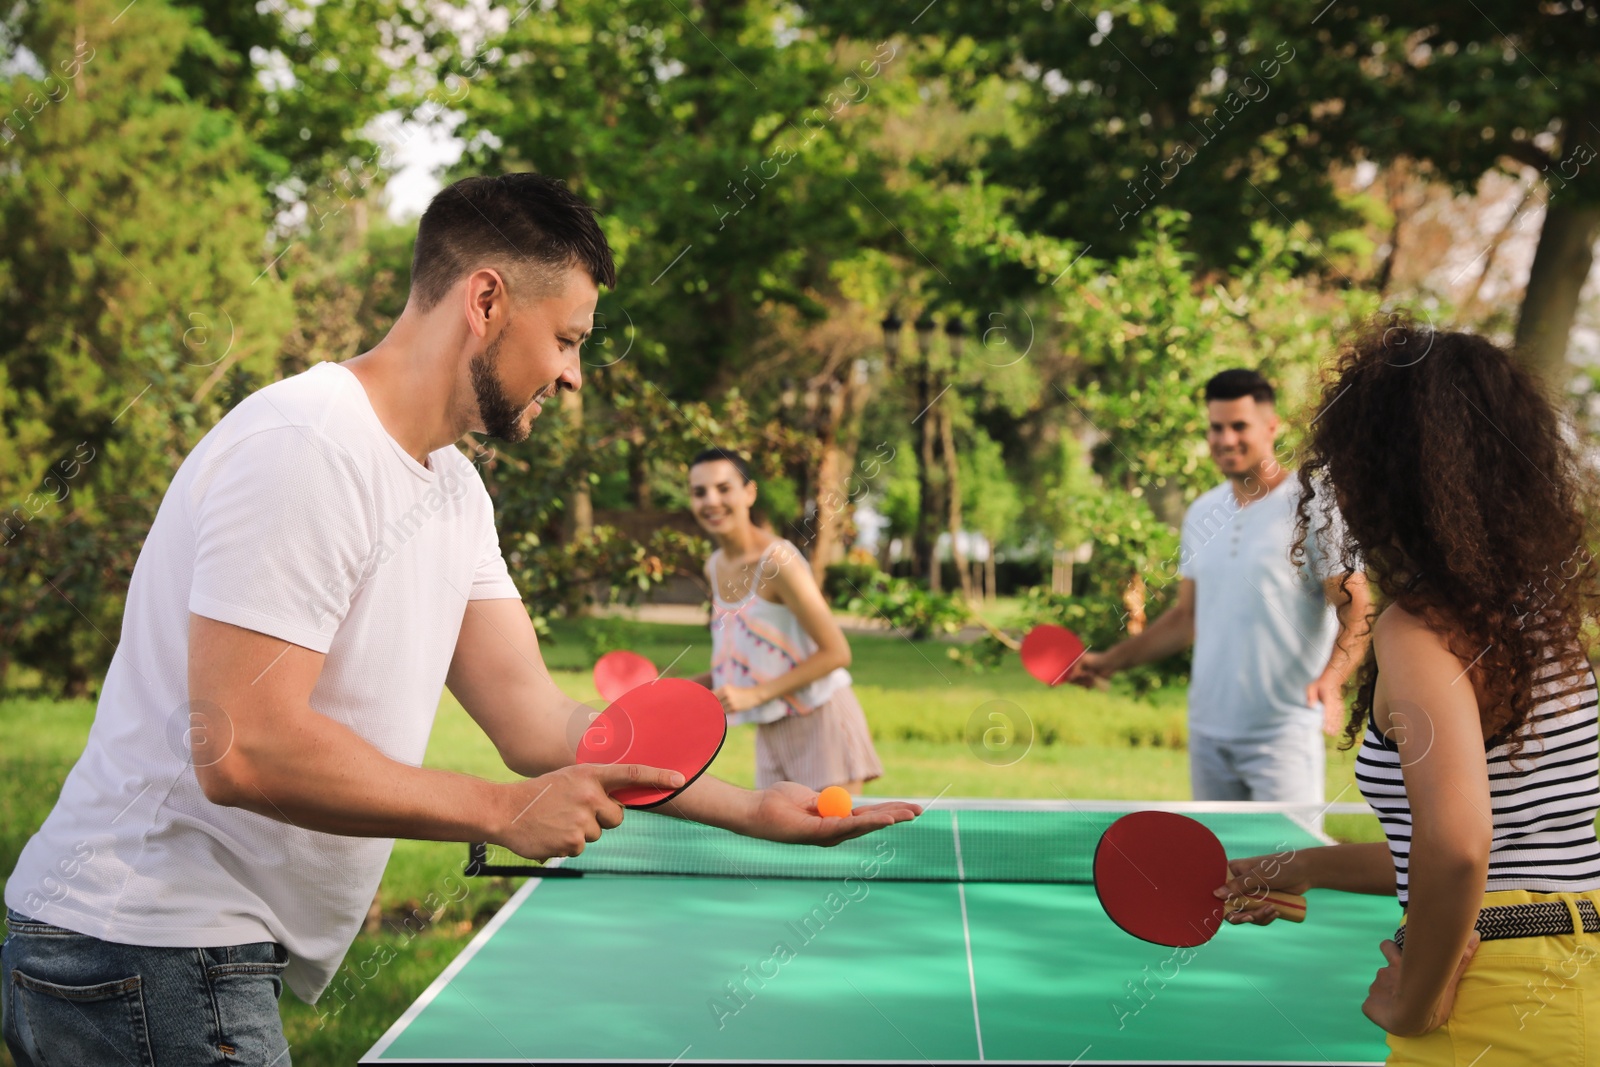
(320, 775)
(715, 803)
(1169, 634)
(1351, 644)
(1352, 603)
(540, 745)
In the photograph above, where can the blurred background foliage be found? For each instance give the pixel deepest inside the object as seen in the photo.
(1070, 216)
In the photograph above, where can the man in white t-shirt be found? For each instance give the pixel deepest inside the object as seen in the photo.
(1273, 642)
(323, 564)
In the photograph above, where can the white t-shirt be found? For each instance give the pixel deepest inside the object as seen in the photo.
(300, 517)
(1263, 628)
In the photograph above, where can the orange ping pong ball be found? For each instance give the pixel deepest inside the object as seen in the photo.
(834, 802)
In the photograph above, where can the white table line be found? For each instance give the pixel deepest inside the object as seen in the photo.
(966, 930)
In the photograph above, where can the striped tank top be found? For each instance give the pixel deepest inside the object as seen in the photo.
(1544, 800)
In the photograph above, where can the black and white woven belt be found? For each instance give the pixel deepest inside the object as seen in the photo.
(1502, 921)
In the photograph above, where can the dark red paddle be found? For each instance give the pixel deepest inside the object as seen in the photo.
(1049, 651)
(617, 672)
(671, 723)
(1154, 872)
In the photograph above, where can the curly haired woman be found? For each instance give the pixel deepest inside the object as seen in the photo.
(1466, 504)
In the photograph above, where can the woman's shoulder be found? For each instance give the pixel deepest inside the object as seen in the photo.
(783, 550)
(1397, 626)
(783, 561)
(1416, 649)
(783, 571)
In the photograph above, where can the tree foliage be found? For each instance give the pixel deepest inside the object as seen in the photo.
(1102, 206)
(130, 247)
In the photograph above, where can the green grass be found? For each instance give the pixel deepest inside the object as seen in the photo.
(928, 718)
(1005, 612)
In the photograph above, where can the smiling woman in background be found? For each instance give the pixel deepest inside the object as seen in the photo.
(778, 658)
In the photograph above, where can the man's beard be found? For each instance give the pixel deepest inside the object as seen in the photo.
(501, 418)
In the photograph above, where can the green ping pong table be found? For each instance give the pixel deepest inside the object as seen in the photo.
(969, 934)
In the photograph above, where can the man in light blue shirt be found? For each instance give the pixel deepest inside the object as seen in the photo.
(1273, 642)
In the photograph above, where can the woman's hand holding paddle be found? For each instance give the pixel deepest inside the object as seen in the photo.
(1250, 880)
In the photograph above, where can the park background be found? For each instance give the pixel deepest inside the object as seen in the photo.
(951, 273)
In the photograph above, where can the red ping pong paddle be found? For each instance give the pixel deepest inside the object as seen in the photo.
(1049, 652)
(671, 723)
(619, 671)
(1155, 871)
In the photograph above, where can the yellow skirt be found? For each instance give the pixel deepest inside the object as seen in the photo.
(1524, 1000)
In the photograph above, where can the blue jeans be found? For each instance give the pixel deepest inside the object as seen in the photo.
(71, 1000)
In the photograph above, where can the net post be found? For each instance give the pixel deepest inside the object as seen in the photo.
(478, 866)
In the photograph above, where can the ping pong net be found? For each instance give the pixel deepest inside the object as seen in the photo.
(962, 840)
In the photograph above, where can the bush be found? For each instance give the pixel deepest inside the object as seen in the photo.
(606, 567)
(604, 635)
(843, 582)
(910, 609)
(1074, 720)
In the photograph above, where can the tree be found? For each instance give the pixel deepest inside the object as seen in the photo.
(308, 82)
(722, 149)
(1149, 338)
(775, 225)
(1501, 85)
(130, 274)
(1237, 113)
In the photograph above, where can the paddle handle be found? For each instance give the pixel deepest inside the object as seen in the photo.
(1290, 906)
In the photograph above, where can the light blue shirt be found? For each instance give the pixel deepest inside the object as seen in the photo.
(1263, 630)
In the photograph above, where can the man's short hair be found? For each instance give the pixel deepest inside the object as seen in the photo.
(528, 227)
(711, 455)
(1233, 384)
